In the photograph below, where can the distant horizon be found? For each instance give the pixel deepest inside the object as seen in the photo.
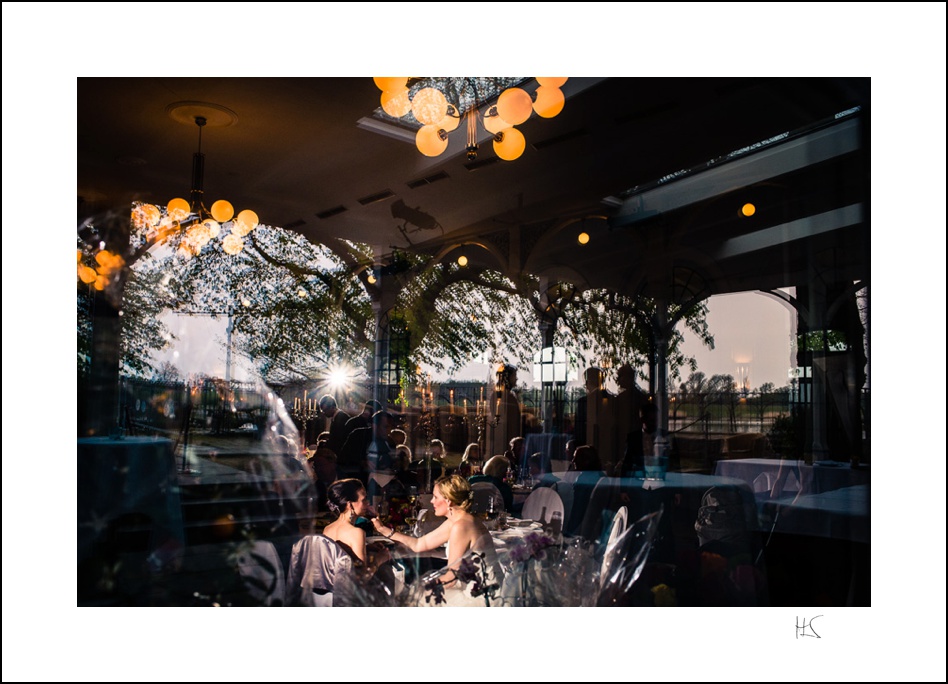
(752, 334)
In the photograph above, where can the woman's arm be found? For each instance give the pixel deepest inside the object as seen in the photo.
(432, 540)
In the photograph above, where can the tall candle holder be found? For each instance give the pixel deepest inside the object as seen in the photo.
(424, 429)
(304, 410)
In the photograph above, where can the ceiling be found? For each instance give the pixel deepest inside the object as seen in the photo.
(294, 151)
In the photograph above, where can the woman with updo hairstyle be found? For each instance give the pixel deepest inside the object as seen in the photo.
(461, 532)
(346, 500)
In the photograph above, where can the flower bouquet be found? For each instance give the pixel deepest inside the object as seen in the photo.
(472, 571)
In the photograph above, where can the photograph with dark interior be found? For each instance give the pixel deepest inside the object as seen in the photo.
(601, 342)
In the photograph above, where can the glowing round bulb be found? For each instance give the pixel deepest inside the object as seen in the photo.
(301, 292)
(514, 106)
(495, 124)
(199, 235)
(232, 244)
(178, 209)
(429, 106)
(86, 274)
(245, 222)
(147, 215)
(222, 211)
(583, 238)
(371, 279)
(451, 120)
(395, 102)
(429, 142)
(549, 102)
(213, 227)
(748, 209)
(552, 81)
(512, 146)
(245, 302)
(462, 261)
(390, 82)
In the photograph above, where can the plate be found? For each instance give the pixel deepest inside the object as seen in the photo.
(383, 540)
(521, 523)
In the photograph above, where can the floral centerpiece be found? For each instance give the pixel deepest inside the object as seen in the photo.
(541, 572)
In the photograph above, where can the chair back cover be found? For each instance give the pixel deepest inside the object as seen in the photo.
(619, 522)
(319, 567)
(542, 503)
(261, 569)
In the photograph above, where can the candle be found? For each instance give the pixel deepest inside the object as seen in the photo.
(451, 395)
(482, 394)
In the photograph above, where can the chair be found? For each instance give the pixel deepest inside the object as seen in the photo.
(261, 569)
(626, 554)
(319, 567)
(541, 505)
(763, 483)
(565, 491)
(486, 498)
(619, 522)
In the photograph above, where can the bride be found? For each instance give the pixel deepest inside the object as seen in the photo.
(461, 532)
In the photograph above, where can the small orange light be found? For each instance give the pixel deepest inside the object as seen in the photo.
(583, 238)
(748, 209)
(462, 260)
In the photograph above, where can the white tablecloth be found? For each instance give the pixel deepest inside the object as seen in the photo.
(822, 476)
(839, 514)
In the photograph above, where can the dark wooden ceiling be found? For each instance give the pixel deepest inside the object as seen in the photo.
(297, 156)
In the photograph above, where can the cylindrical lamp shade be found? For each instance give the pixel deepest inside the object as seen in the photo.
(512, 145)
(429, 106)
(514, 106)
(549, 102)
(429, 142)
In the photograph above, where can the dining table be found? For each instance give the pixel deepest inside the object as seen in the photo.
(797, 475)
(841, 514)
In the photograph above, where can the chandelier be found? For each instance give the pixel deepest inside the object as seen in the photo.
(203, 225)
(437, 106)
(199, 224)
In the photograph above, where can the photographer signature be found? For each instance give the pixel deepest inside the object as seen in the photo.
(803, 626)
